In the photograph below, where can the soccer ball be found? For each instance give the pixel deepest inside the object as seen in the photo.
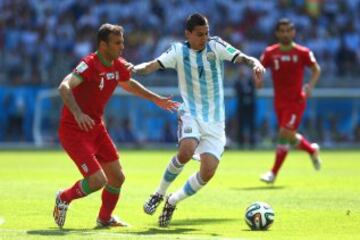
(259, 216)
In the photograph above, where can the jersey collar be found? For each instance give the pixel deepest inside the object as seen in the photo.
(102, 60)
(287, 48)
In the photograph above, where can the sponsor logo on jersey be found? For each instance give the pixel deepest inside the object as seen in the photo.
(81, 67)
(285, 58)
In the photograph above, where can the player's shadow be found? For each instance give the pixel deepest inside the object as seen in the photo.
(154, 231)
(59, 232)
(201, 221)
(268, 187)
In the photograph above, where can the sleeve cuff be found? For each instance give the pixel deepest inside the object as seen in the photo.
(234, 58)
(161, 65)
(77, 75)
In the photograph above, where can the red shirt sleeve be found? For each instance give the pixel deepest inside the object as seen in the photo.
(83, 69)
(125, 74)
(309, 58)
(265, 60)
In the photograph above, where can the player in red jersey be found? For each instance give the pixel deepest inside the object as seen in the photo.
(287, 61)
(82, 133)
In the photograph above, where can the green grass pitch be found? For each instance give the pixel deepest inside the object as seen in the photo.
(307, 204)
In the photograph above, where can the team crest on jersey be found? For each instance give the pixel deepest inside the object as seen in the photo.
(210, 56)
(81, 67)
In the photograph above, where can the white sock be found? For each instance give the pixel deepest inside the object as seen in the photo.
(192, 185)
(172, 171)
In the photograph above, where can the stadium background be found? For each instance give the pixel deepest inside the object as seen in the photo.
(42, 40)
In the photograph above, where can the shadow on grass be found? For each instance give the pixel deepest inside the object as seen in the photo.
(175, 226)
(268, 187)
(153, 231)
(201, 221)
(58, 232)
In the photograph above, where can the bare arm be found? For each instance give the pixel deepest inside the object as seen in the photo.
(146, 67)
(65, 90)
(138, 89)
(257, 67)
(315, 75)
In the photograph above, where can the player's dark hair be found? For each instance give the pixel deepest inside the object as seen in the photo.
(284, 21)
(194, 20)
(105, 30)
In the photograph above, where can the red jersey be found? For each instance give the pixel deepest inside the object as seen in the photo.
(287, 69)
(99, 82)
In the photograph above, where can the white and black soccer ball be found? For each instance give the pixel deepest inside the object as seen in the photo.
(259, 216)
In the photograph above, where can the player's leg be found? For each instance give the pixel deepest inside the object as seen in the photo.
(110, 195)
(188, 135)
(195, 182)
(285, 119)
(300, 142)
(108, 158)
(81, 152)
(173, 169)
(210, 148)
(313, 149)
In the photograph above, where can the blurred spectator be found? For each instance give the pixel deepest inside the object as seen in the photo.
(45, 34)
(357, 133)
(246, 109)
(15, 108)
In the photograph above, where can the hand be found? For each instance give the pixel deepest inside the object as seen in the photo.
(258, 72)
(307, 88)
(85, 122)
(130, 67)
(167, 104)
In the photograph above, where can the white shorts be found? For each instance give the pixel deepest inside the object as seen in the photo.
(210, 135)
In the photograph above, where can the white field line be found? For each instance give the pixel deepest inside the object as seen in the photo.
(2, 220)
(126, 235)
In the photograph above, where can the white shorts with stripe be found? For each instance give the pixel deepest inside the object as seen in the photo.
(210, 135)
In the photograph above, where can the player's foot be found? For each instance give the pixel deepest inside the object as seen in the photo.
(153, 202)
(113, 222)
(168, 210)
(60, 210)
(315, 157)
(268, 177)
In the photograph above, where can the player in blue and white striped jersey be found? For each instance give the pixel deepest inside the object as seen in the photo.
(200, 70)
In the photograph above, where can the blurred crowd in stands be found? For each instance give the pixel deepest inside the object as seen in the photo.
(42, 40)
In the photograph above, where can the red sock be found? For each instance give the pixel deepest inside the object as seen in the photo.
(110, 196)
(305, 145)
(72, 193)
(281, 152)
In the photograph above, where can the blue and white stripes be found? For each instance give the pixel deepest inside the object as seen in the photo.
(200, 75)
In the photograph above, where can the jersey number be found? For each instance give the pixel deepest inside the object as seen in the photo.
(101, 85)
(276, 64)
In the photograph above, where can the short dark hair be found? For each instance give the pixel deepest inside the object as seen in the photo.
(105, 30)
(284, 21)
(194, 20)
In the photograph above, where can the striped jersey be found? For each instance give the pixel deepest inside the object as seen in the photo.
(200, 75)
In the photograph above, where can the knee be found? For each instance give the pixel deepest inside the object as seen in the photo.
(119, 179)
(97, 181)
(185, 155)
